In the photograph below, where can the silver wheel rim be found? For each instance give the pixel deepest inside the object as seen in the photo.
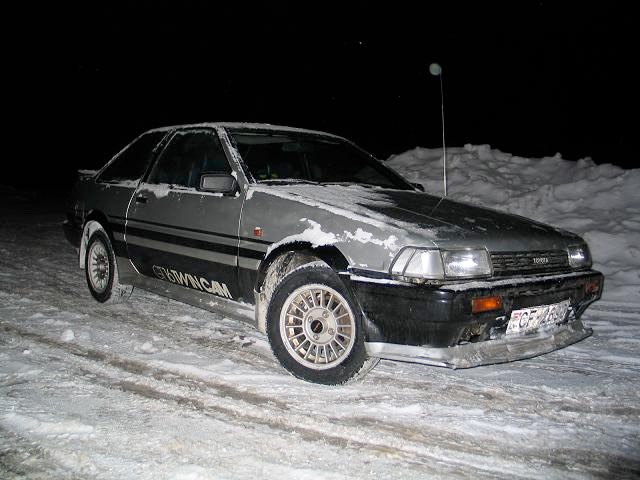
(98, 266)
(317, 327)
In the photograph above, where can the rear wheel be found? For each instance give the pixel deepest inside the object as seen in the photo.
(102, 271)
(315, 328)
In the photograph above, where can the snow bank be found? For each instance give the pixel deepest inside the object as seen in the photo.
(599, 202)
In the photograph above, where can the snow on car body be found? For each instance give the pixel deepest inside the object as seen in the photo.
(335, 256)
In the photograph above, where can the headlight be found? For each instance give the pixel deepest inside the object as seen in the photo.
(466, 263)
(441, 264)
(579, 256)
(424, 264)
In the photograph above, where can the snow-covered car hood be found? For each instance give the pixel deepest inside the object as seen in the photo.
(467, 221)
(420, 217)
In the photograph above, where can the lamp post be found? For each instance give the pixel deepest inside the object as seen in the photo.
(436, 70)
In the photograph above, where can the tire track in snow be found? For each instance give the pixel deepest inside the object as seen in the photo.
(140, 368)
(271, 419)
(180, 334)
(417, 444)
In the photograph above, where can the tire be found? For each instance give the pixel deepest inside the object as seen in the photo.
(101, 271)
(315, 328)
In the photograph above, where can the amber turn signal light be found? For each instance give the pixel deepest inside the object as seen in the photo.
(485, 304)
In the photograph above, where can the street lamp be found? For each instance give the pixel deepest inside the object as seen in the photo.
(436, 70)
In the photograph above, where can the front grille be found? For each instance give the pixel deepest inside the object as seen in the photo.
(529, 263)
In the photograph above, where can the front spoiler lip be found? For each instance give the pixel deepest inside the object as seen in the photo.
(506, 349)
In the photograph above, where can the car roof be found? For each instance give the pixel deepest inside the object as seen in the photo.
(258, 127)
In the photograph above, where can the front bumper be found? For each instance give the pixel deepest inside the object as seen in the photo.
(506, 349)
(398, 314)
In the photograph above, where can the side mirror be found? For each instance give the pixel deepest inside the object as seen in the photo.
(418, 186)
(218, 183)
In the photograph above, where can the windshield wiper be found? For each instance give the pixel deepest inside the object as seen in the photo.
(348, 184)
(288, 180)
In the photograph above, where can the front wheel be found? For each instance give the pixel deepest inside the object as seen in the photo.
(102, 271)
(315, 328)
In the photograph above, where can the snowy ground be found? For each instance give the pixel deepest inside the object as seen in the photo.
(156, 389)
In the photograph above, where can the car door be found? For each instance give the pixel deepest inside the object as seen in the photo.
(179, 234)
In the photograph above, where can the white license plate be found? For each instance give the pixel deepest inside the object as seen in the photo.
(530, 319)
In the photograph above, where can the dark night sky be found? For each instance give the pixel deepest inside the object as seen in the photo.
(529, 78)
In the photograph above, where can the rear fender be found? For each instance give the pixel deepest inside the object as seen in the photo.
(89, 228)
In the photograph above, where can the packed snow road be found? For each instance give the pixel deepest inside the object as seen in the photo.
(158, 389)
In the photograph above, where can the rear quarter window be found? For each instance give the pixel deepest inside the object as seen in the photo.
(131, 163)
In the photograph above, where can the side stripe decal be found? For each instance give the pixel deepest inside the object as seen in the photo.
(217, 234)
(191, 242)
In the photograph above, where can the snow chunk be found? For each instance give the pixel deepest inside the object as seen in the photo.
(146, 347)
(160, 190)
(317, 237)
(67, 335)
(314, 235)
(367, 237)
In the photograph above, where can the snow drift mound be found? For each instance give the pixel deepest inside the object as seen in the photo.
(599, 202)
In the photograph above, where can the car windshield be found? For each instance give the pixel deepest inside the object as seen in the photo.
(292, 157)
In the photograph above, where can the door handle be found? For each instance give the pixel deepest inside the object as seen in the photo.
(141, 199)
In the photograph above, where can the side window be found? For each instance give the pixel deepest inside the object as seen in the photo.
(133, 161)
(189, 155)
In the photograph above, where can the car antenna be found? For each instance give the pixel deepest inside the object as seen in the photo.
(436, 70)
